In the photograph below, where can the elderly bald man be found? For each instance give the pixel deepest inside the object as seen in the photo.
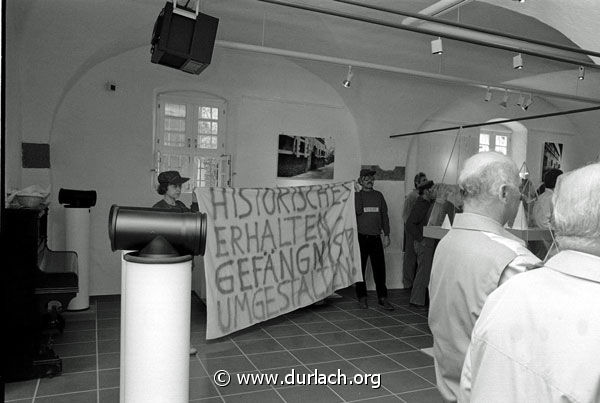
(472, 260)
(538, 336)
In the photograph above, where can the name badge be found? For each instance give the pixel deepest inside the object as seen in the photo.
(371, 209)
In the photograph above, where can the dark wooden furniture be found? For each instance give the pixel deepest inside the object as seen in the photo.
(37, 284)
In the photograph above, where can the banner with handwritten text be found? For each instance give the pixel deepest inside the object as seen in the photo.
(272, 251)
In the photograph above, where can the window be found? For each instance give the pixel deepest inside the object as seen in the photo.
(494, 140)
(190, 138)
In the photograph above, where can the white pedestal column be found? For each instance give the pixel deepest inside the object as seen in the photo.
(155, 332)
(77, 228)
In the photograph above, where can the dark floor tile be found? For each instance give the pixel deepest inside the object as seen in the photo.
(376, 365)
(296, 342)
(109, 346)
(403, 381)
(412, 359)
(79, 364)
(252, 333)
(109, 334)
(79, 397)
(80, 325)
(309, 393)
(353, 324)
(266, 396)
(347, 304)
(109, 314)
(20, 390)
(357, 392)
(369, 334)
(208, 400)
(419, 341)
(196, 368)
(315, 355)
(335, 338)
(72, 317)
(366, 313)
(109, 323)
(67, 383)
(382, 399)
(427, 373)
(402, 331)
(391, 346)
(354, 350)
(411, 319)
(319, 327)
(108, 395)
(78, 336)
(106, 298)
(285, 330)
(225, 348)
(424, 327)
(422, 396)
(230, 364)
(383, 321)
(305, 317)
(273, 360)
(108, 306)
(75, 349)
(109, 378)
(202, 387)
(327, 368)
(336, 316)
(109, 360)
(259, 346)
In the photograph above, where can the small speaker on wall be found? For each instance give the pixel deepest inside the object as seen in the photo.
(183, 40)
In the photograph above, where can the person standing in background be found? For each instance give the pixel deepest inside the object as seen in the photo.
(371, 221)
(409, 264)
(169, 186)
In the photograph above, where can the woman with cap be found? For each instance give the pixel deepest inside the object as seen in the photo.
(169, 185)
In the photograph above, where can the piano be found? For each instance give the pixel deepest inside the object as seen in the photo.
(38, 284)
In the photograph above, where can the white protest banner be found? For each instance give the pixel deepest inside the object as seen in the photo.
(272, 251)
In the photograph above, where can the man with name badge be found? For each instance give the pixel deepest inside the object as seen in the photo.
(372, 220)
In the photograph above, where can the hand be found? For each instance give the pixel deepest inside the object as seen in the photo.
(357, 186)
(194, 198)
(386, 241)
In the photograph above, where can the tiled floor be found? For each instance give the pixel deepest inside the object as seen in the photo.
(336, 336)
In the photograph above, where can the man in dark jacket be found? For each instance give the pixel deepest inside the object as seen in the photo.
(372, 220)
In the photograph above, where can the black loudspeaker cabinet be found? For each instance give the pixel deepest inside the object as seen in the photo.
(183, 43)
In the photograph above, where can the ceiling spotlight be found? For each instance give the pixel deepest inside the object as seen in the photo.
(518, 62)
(521, 101)
(581, 73)
(527, 103)
(504, 102)
(488, 95)
(346, 82)
(436, 47)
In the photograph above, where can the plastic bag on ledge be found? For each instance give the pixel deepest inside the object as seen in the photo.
(33, 190)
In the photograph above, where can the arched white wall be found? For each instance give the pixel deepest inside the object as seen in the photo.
(102, 140)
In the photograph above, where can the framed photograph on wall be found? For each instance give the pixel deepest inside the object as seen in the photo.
(304, 157)
(552, 157)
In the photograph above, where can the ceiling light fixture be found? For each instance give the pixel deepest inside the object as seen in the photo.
(518, 62)
(504, 102)
(346, 82)
(436, 47)
(581, 73)
(488, 95)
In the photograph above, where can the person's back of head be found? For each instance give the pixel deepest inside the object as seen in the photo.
(576, 215)
(489, 184)
(550, 178)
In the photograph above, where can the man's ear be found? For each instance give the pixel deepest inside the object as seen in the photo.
(503, 193)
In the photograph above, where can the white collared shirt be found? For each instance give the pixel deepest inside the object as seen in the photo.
(538, 337)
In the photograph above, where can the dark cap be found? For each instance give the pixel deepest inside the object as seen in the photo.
(367, 172)
(172, 178)
(425, 185)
